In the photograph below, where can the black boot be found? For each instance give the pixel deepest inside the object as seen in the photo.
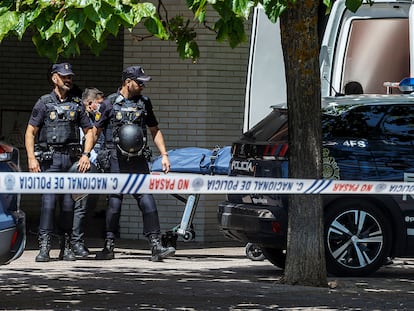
(66, 252)
(107, 253)
(80, 250)
(159, 252)
(44, 246)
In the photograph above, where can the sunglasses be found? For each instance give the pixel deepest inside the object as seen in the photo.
(140, 83)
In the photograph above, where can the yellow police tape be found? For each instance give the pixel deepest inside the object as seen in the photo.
(188, 183)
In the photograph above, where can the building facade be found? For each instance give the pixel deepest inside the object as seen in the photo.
(198, 104)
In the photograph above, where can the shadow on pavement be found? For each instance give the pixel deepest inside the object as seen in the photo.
(195, 279)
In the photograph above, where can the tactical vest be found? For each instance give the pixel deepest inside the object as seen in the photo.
(124, 113)
(61, 127)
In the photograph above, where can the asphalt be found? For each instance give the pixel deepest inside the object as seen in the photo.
(199, 277)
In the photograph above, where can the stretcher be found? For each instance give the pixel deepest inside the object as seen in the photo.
(195, 161)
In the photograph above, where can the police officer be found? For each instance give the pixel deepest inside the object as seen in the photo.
(124, 118)
(91, 99)
(54, 125)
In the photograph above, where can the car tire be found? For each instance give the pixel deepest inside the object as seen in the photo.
(254, 252)
(357, 238)
(276, 256)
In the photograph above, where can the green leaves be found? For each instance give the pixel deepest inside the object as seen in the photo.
(75, 22)
(8, 20)
(56, 27)
(242, 7)
(353, 5)
(59, 26)
(232, 30)
(184, 36)
(275, 8)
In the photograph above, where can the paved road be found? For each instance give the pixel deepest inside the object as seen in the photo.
(208, 278)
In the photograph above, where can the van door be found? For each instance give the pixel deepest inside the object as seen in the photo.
(266, 81)
(370, 46)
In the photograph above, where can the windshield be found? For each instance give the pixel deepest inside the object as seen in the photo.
(272, 128)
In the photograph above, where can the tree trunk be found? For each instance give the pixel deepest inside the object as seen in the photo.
(305, 262)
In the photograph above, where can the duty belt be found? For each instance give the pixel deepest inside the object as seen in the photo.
(46, 154)
(65, 148)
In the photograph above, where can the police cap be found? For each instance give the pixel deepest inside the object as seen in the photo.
(135, 73)
(64, 69)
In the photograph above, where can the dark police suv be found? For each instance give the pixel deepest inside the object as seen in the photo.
(367, 137)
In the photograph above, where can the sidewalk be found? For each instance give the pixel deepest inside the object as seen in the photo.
(199, 277)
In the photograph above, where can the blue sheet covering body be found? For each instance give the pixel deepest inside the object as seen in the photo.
(196, 160)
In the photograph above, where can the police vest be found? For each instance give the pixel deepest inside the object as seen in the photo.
(61, 125)
(127, 126)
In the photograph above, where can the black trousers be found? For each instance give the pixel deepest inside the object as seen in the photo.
(145, 202)
(61, 162)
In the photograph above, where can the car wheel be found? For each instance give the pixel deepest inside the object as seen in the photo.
(275, 256)
(357, 238)
(254, 252)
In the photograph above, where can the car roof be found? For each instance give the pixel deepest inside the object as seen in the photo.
(368, 99)
(364, 99)
(342, 104)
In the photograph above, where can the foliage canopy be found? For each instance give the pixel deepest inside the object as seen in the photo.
(59, 27)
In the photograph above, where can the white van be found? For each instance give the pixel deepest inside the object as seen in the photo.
(371, 46)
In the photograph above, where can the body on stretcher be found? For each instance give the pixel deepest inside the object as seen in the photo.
(191, 160)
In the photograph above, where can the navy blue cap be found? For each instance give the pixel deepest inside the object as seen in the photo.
(64, 69)
(135, 73)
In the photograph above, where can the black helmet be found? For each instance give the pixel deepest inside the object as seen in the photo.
(130, 140)
(74, 168)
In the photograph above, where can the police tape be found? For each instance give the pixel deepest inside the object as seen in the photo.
(181, 183)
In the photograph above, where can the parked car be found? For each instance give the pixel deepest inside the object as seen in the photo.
(12, 218)
(367, 137)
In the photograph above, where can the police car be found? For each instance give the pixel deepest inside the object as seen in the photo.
(12, 218)
(365, 137)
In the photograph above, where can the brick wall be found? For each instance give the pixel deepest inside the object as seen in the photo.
(198, 105)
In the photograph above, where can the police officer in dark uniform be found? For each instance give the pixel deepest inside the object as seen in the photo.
(53, 145)
(124, 118)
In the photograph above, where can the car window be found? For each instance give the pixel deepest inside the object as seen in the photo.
(398, 125)
(356, 122)
(269, 127)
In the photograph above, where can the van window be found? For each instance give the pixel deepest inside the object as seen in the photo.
(377, 51)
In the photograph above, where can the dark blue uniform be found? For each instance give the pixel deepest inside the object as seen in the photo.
(121, 163)
(58, 137)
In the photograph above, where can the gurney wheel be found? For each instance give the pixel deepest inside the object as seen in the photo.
(169, 239)
(254, 252)
(189, 236)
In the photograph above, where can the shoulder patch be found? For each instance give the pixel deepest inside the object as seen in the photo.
(35, 112)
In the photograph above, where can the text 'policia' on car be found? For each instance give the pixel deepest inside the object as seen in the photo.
(12, 219)
(365, 137)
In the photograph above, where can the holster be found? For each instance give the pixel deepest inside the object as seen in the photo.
(42, 153)
(103, 160)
